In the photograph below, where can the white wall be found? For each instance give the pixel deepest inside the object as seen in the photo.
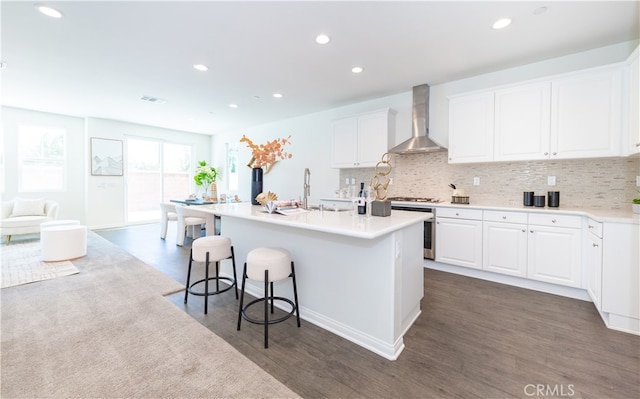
(311, 148)
(71, 199)
(105, 199)
(98, 201)
(310, 134)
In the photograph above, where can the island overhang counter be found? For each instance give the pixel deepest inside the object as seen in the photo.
(358, 277)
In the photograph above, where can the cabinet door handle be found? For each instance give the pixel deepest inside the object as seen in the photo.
(524, 231)
(457, 214)
(595, 245)
(590, 226)
(553, 221)
(546, 153)
(555, 153)
(530, 231)
(504, 217)
(637, 144)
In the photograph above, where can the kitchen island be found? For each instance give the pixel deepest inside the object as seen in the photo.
(360, 278)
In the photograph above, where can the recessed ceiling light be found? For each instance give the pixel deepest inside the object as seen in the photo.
(154, 100)
(233, 105)
(277, 95)
(201, 67)
(501, 23)
(357, 69)
(322, 39)
(540, 10)
(49, 11)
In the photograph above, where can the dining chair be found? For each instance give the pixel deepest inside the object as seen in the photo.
(190, 221)
(168, 213)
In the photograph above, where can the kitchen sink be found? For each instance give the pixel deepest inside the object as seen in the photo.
(329, 208)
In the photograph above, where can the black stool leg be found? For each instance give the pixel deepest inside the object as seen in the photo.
(235, 277)
(295, 293)
(272, 297)
(206, 284)
(244, 277)
(217, 275)
(266, 307)
(186, 291)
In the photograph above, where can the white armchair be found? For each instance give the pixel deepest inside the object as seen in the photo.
(24, 216)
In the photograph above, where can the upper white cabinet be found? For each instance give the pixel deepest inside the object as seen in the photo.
(523, 122)
(633, 126)
(579, 115)
(586, 114)
(471, 128)
(360, 141)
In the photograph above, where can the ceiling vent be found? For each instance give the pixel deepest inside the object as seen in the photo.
(154, 100)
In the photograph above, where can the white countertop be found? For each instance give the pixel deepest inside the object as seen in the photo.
(600, 215)
(342, 223)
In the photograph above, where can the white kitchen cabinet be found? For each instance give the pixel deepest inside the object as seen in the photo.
(471, 123)
(586, 114)
(633, 123)
(621, 273)
(555, 249)
(459, 235)
(593, 253)
(505, 243)
(522, 122)
(361, 140)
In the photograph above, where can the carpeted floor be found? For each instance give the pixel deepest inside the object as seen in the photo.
(107, 332)
(22, 264)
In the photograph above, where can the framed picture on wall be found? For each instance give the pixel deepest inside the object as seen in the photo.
(106, 157)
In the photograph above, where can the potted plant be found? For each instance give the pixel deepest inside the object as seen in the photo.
(636, 204)
(205, 176)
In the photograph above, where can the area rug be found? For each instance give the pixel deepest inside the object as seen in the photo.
(108, 332)
(21, 264)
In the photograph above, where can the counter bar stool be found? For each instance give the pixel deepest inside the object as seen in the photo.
(211, 249)
(268, 265)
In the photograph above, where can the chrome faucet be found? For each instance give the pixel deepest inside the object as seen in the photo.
(307, 189)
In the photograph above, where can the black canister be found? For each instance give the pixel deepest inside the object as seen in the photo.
(528, 198)
(538, 200)
(553, 199)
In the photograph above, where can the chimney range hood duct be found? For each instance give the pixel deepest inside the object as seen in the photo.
(419, 142)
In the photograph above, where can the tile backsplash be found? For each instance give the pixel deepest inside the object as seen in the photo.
(601, 183)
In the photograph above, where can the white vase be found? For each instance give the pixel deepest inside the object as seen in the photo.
(636, 208)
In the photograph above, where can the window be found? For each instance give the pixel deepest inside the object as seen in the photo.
(156, 172)
(232, 166)
(41, 158)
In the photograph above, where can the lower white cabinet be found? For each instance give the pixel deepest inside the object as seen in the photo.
(459, 237)
(505, 243)
(555, 249)
(593, 253)
(621, 271)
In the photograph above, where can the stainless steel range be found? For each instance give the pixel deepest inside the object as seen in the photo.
(418, 204)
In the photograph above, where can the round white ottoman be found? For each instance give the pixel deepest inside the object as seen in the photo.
(61, 222)
(62, 242)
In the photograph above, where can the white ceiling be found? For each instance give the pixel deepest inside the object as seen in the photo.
(101, 57)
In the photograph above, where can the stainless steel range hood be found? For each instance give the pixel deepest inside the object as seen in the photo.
(419, 142)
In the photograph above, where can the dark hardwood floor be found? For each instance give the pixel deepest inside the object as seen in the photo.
(474, 339)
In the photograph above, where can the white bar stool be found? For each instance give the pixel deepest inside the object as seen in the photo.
(268, 265)
(211, 249)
